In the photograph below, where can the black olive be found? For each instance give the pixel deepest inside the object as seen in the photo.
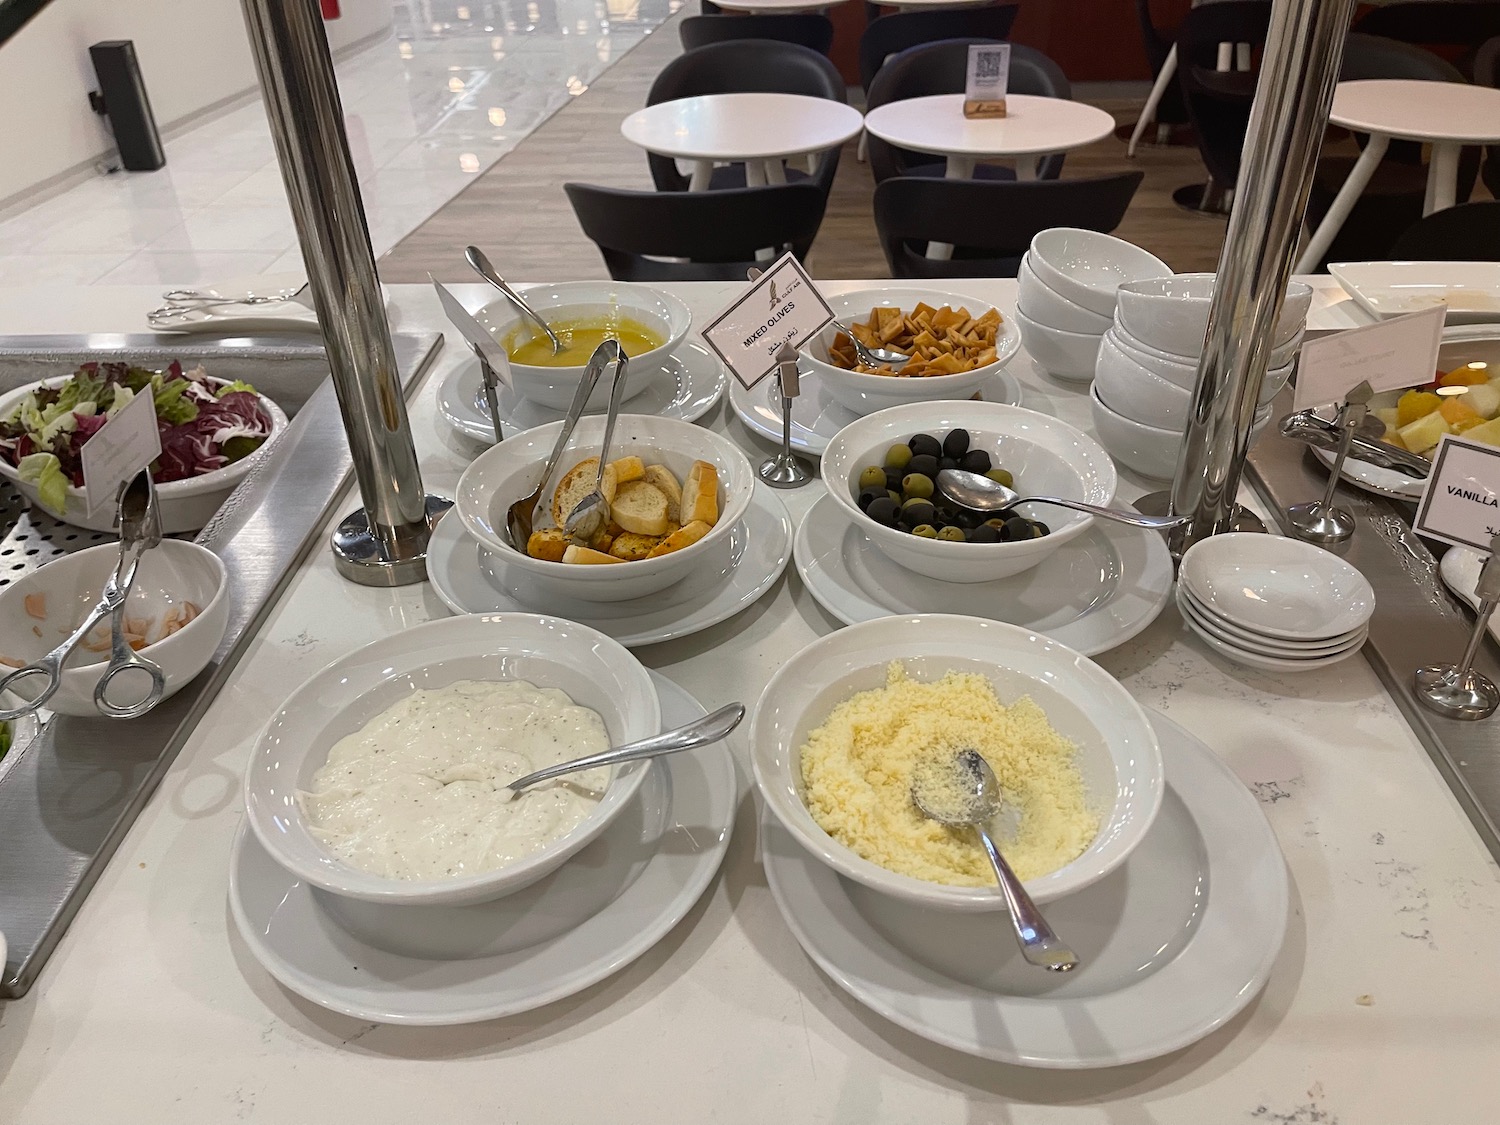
(918, 511)
(893, 479)
(984, 533)
(1041, 528)
(868, 494)
(947, 463)
(975, 461)
(1017, 530)
(956, 444)
(925, 443)
(924, 464)
(882, 510)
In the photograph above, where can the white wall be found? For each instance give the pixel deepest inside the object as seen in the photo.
(193, 55)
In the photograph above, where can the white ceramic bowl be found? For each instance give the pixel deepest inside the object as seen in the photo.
(1137, 391)
(1171, 313)
(1087, 267)
(594, 671)
(185, 505)
(1047, 457)
(1280, 588)
(506, 472)
(1281, 355)
(865, 394)
(1150, 451)
(1063, 355)
(555, 386)
(1220, 629)
(174, 571)
(1118, 754)
(1051, 309)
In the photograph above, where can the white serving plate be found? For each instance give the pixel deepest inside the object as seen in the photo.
(1471, 290)
(1460, 571)
(1092, 595)
(1174, 944)
(1234, 634)
(733, 576)
(290, 315)
(1238, 655)
(817, 416)
(688, 384)
(434, 966)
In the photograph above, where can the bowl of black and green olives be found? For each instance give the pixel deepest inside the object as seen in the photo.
(883, 471)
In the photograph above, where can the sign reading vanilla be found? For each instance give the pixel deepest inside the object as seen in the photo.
(782, 306)
(1462, 502)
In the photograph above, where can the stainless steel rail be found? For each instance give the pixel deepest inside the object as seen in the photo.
(386, 543)
(1298, 71)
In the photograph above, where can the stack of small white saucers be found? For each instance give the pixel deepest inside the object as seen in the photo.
(1272, 602)
(1147, 367)
(1068, 281)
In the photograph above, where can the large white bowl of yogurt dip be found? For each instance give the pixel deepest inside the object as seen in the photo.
(382, 777)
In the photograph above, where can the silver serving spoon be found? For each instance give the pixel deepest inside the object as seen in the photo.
(962, 792)
(700, 732)
(981, 494)
(871, 357)
(481, 265)
(590, 515)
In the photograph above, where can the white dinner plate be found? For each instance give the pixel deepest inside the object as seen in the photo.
(1471, 290)
(1373, 478)
(1245, 656)
(470, 579)
(1173, 944)
(1092, 594)
(687, 385)
(449, 965)
(816, 416)
(1460, 570)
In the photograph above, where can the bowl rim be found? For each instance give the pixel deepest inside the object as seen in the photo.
(679, 309)
(352, 882)
(1101, 238)
(795, 817)
(1071, 336)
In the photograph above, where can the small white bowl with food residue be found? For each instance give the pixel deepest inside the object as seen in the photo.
(842, 726)
(176, 615)
(382, 778)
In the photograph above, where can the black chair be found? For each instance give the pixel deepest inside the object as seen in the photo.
(1170, 110)
(718, 232)
(889, 35)
(1469, 232)
(990, 223)
(809, 30)
(1487, 73)
(1394, 198)
(1218, 102)
(940, 68)
(746, 66)
(1455, 28)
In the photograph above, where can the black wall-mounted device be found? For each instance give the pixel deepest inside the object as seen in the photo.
(123, 96)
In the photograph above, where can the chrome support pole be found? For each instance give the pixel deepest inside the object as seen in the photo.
(1299, 70)
(385, 544)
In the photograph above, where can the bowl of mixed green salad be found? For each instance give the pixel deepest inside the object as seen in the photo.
(212, 432)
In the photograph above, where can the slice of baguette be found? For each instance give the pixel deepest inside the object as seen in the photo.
(628, 468)
(641, 508)
(549, 544)
(660, 477)
(577, 483)
(684, 536)
(632, 547)
(577, 554)
(700, 494)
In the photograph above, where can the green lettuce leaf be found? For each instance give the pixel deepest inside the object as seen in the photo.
(45, 471)
(230, 388)
(123, 395)
(81, 388)
(171, 405)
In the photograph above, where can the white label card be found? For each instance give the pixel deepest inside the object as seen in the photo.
(782, 306)
(119, 449)
(1400, 352)
(1462, 502)
(989, 72)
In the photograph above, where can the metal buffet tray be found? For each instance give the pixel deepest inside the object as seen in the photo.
(71, 795)
(1417, 621)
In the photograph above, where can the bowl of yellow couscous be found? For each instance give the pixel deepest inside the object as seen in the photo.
(841, 727)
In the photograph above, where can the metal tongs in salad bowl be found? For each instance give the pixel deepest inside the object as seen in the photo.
(140, 530)
(1310, 428)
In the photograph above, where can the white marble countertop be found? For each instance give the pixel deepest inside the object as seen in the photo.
(152, 1010)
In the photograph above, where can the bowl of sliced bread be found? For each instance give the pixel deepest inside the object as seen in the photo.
(673, 489)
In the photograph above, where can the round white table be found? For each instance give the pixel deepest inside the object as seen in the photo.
(1446, 115)
(759, 130)
(1033, 127)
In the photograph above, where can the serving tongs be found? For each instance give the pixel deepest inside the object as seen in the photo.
(1310, 428)
(140, 530)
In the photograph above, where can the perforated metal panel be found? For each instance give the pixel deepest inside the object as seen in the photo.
(32, 538)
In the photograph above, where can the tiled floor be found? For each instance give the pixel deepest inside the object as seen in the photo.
(427, 110)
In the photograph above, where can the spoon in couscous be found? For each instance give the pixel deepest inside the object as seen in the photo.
(962, 791)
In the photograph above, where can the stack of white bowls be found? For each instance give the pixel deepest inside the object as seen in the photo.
(1068, 282)
(1273, 602)
(1147, 366)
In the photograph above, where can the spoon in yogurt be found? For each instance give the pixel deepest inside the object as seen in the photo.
(700, 732)
(962, 791)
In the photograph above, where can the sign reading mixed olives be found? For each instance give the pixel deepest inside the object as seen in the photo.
(902, 492)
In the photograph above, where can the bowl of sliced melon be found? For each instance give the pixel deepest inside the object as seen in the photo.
(674, 489)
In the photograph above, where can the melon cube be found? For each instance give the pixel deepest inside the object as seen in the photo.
(1387, 414)
(1425, 431)
(1484, 399)
(1489, 433)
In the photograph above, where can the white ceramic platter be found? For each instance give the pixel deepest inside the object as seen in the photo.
(816, 417)
(1173, 944)
(688, 384)
(450, 965)
(1093, 594)
(1460, 570)
(1471, 290)
(470, 579)
(289, 315)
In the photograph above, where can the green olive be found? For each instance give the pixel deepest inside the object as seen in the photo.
(898, 457)
(872, 477)
(951, 534)
(925, 530)
(916, 486)
(1002, 476)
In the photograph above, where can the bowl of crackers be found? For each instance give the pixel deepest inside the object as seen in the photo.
(674, 490)
(956, 345)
